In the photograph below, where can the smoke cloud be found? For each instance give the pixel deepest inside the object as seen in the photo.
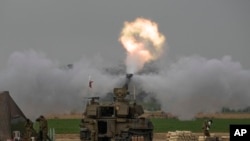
(196, 84)
(191, 85)
(41, 86)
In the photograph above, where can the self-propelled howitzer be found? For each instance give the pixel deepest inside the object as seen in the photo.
(118, 120)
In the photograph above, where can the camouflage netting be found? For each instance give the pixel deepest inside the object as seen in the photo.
(10, 116)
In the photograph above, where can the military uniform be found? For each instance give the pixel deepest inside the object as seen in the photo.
(43, 128)
(206, 127)
(28, 130)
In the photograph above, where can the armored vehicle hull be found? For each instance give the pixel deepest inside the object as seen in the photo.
(118, 120)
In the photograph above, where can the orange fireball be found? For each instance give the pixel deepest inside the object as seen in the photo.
(143, 43)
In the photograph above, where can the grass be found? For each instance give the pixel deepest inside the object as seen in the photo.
(219, 125)
(71, 126)
(63, 126)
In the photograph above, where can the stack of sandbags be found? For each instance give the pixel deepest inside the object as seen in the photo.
(201, 138)
(181, 136)
(225, 138)
(170, 134)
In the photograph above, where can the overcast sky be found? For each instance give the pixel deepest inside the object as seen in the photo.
(67, 30)
(201, 36)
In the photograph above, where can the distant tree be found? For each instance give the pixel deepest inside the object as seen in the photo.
(228, 110)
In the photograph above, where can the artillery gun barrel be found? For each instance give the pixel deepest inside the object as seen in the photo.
(129, 76)
(94, 97)
(128, 79)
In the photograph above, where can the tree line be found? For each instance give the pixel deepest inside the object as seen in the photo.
(231, 110)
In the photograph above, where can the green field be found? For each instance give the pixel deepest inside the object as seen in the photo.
(71, 126)
(219, 125)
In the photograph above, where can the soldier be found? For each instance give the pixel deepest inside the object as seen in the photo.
(28, 130)
(43, 128)
(206, 126)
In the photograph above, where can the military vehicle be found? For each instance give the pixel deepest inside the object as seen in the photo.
(119, 120)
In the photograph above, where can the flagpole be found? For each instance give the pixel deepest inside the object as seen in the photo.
(89, 90)
(134, 92)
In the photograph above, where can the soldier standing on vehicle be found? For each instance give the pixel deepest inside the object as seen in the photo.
(206, 126)
(43, 128)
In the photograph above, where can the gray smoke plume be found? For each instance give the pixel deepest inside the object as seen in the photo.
(195, 84)
(191, 85)
(41, 86)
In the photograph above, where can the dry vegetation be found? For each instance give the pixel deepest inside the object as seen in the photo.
(224, 115)
(160, 114)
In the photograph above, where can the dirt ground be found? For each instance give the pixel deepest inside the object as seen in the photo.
(157, 136)
(75, 137)
(224, 115)
(200, 115)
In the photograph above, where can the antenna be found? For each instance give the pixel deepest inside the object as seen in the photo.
(90, 90)
(134, 92)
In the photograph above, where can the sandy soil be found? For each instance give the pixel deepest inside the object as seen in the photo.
(225, 115)
(157, 136)
(75, 137)
(200, 115)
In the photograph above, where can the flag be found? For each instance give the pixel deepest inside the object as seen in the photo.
(90, 83)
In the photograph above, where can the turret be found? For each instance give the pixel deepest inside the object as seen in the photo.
(121, 93)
